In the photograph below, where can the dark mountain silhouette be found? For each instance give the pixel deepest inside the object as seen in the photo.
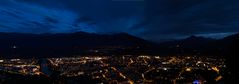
(62, 44)
(231, 54)
(197, 45)
(82, 43)
(191, 45)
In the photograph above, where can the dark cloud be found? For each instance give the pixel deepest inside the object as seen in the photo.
(106, 15)
(84, 19)
(51, 20)
(187, 17)
(150, 19)
(30, 18)
(12, 13)
(94, 8)
(110, 16)
(36, 27)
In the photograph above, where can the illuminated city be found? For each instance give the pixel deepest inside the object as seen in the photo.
(127, 69)
(20, 66)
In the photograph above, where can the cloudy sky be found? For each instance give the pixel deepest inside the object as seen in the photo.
(155, 20)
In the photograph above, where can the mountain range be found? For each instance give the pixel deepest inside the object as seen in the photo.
(68, 44)
(82, 43)
(198, 45)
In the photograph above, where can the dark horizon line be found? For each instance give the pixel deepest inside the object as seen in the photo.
(52, 33)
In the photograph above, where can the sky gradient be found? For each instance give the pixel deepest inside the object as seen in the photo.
(155, 20)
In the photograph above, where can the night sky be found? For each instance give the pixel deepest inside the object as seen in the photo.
(155, 20)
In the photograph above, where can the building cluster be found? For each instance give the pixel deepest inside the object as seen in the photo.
(20, 66)
(142, 69)
(126, 69)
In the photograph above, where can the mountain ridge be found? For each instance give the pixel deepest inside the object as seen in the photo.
(68, 43)
(83, 43)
